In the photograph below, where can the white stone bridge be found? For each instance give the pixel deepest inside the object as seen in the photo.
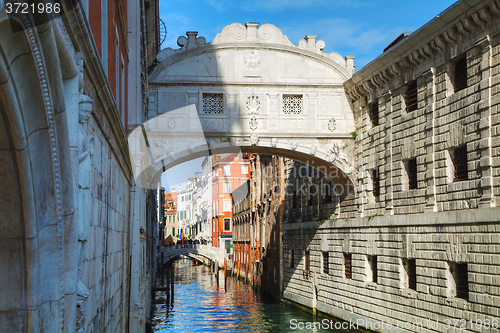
(249, 90)
(207, 251)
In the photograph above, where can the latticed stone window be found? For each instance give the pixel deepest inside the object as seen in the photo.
(212, 103)
(292, 104)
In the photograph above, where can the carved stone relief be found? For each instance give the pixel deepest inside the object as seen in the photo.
(254, 123)
(85, 207)
(313, 150)
(332, 125)
(252, 61)
(253, 104)
(274, 142)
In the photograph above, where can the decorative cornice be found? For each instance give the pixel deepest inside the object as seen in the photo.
(465, 20)
(81, 34)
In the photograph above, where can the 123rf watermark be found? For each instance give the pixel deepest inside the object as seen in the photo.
(462, 324)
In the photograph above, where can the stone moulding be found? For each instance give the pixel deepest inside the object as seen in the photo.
(268, 34)
(384, 69)
(75, 20)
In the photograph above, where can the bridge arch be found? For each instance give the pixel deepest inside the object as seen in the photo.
(249, 90)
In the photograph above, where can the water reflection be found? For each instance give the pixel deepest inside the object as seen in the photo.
(201, 306)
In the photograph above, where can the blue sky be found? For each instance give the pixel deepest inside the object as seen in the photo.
(359, 28)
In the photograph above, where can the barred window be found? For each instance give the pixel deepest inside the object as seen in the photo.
(373, 113)
(212, 103)
(412, 274)
(372, 274)
(411, 97)
(292, 258)
(460, 280)
(411, 170)
(307, 261)
(307, 266)
(325, 262)
(347, 265)
(460, 164)
(292, 104)
(460, 72)
(376, 183)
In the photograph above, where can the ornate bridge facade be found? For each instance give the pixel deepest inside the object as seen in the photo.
(250, 89)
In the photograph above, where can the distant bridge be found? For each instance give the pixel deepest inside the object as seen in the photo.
(207, 251)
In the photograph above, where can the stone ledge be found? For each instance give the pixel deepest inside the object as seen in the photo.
(470, 216)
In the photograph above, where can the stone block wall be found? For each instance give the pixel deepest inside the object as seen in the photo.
(419, 236)
(105, 270)
(462, 236)
(446, 118)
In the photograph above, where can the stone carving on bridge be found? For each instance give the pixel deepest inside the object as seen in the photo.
(254, 139)
(252, 61)
(254, 123)
(332, 125)
(253, 104)
(191, 41)
(293, 145)
(171, 122)
(274, 142)
(233, 141)
(309, 43)
(164, 149)
(313, 150)
(337, 153)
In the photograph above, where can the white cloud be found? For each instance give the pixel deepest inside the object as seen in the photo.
(346, 37)
(280, 5)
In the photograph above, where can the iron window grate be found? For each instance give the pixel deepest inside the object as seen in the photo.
(292, 258)
(373, 113)
(462, 281)
(412, 174)
(412, 274)
(374, 269)
(306, 266)
(376, 183)
(460, 74)
(411, 97)
(325, 262)
(460, 164)
(347, 265)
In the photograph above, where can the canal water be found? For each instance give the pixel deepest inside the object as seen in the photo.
(197, 304)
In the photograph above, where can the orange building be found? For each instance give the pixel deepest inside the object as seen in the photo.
(170, 212)
(229, 172)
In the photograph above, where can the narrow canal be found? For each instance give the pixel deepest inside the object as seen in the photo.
(197, 304)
